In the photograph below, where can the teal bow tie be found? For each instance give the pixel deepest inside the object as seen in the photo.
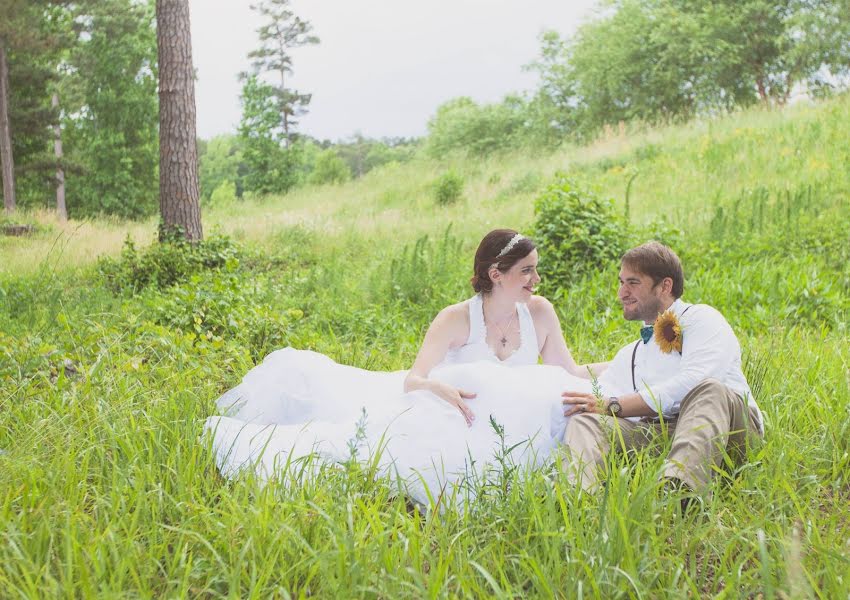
(646, 333)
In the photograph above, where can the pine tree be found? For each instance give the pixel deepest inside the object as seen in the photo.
(179, 194)
(282, 32)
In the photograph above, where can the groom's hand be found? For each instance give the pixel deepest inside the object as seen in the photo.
(579, 402)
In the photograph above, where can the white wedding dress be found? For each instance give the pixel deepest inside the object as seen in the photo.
(299, 404)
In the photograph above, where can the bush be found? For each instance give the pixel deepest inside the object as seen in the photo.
(576, 232)
(220, 306)
(165, 263)
(224, 194)
(461, 125)
(448, 188)
(329, 168)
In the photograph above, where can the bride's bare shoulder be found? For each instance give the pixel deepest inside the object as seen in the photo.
(538, 305)
(453, 323)
(455, 313)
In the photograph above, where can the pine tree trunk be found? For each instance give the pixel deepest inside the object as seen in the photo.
(7, 164)
(283, 110)
(61, 210)
(179, 193)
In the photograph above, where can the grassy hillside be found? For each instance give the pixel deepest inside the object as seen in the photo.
(105, 489)
(684, 171)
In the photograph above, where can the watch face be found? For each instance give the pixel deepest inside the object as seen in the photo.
(615, 408)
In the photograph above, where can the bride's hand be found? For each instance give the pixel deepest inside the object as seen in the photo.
(456, 398)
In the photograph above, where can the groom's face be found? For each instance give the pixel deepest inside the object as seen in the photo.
(640, 297)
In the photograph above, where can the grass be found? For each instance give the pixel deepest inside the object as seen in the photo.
(105, 489)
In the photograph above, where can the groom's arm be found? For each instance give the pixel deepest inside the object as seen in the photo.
(632, 405)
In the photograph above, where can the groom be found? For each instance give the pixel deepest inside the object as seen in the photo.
(684, 374)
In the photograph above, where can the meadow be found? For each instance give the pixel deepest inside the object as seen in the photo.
(107, 375)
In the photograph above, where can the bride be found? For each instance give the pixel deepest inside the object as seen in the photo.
(475, 387)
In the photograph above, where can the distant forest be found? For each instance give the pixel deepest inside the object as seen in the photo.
(84, 74)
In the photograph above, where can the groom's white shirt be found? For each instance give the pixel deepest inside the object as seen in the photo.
(709, 350)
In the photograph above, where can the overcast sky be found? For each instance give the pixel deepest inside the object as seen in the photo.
(383, 66)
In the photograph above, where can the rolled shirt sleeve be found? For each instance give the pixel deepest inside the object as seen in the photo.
(709, 349)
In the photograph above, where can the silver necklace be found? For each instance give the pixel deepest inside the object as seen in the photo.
(507, 328)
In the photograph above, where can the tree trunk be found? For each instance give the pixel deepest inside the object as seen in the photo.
(179, 193)
(61, 210)
(7, 163)
(283, 109)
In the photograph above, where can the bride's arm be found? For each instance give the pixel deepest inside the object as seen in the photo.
(441, 333)
(555, 351)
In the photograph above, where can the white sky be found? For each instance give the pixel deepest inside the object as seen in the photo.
(383, 66)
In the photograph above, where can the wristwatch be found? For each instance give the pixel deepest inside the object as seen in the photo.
(614, 407)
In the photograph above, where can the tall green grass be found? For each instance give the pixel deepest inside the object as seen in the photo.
(106, 489)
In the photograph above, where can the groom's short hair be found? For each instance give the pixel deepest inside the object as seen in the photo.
(657, 261)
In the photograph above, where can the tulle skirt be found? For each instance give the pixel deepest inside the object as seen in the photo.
(301, 408)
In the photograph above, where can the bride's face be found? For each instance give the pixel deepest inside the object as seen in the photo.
(520, 280)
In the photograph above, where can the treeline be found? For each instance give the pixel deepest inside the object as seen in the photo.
(79, 111)
(659, 61)
(78, 82)
(78, 101)
(228, 173)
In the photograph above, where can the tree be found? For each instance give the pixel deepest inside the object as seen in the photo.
(329, 168)
(27, 70)
(662, 60)
(272, 168)
(179, 194)
(8, 162)
(219, 162)
(280, 34)
(61, 208)
(110, 113)
(463, 125)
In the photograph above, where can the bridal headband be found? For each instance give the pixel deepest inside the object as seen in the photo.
(514, 240)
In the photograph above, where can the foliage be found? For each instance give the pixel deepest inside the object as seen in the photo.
(108, 489)
(329, 168)
(224, 193)
(281, 32)
(33, 38)
(220, 160)
(364, 154)
(166, 263)
(448, 188)
(663, 60)
(423, 272)
(110, 111)
(461, 125)
(271, 167)
(217, 305)
(577, 234)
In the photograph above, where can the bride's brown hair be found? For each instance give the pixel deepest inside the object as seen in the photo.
(487, 256)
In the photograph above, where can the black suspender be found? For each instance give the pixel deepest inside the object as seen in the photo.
(634, 353)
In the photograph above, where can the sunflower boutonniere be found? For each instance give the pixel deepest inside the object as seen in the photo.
(668, 332)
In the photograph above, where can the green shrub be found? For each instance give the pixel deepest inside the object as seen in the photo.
(329, 168)
(463, 126)
(223, 194)
(221, 305)
(448, 188)
(576, 232)
(165, 263)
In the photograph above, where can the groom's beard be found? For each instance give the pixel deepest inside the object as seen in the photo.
(646, 313)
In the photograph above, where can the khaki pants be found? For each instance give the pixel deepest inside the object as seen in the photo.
(712, 419)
